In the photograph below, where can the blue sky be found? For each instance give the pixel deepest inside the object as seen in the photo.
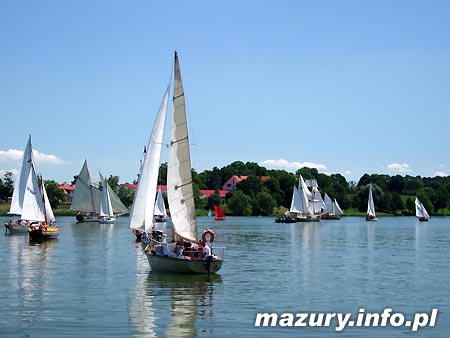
(347, 86)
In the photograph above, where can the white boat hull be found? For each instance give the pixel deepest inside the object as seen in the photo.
(174, 265)
(109, 220)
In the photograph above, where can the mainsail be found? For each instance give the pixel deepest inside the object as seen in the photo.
(421, 212)
(86, 197)
(21, 184)
(179, 177)
(370, 204)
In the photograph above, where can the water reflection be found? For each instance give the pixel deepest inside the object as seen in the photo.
(169, 305)
(28, 265)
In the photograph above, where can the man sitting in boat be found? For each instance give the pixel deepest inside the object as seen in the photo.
(178, 249)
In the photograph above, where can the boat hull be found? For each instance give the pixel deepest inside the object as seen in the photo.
(44, 232)
(331, 217)
(423, 219)
(308, 219)
(182, 266)
(15, 228)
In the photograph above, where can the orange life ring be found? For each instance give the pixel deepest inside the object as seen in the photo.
(210, 233)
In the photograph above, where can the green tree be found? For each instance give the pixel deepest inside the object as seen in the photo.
(263, 204)
(54, 193)
(240, 204)
(250, 186)
(213, 200)
(6, 186)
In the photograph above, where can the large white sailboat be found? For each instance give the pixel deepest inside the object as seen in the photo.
(30, 202)
(370, 216)
(301, 204)
(185, 253)
(421, 212)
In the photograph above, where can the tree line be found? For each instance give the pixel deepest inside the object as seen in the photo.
(253, 196)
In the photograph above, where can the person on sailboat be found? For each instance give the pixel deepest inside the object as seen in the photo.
(205, 250)
(178, 249)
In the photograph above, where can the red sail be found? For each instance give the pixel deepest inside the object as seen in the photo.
(219, 213)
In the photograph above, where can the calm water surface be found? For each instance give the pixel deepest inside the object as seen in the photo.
(94, 281)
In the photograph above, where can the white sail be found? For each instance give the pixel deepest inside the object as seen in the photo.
(337, 208)
(49, 216)
(117, 206)
(160, 207)
(179, 177)
(21, 183)
(304, 192)
(421, 212)
(302, 186)
(370, 204)
(296, 201)
(328, 204)
(106, 208)
(316, 200)
(33, 205)
(141, 215)
(86, 197)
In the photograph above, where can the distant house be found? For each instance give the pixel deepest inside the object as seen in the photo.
(68, 191)
(203, 193)
(230, 184)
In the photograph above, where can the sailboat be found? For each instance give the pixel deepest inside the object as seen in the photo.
(332, 210)
(106, 214)
(143, 208)
(421, 212)
(30, 202)
(371, 216)
(86, 197)
(219, 214)
(187, 254)
(160, 213)
(301, 204)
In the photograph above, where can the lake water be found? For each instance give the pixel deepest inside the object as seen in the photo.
(94, 281)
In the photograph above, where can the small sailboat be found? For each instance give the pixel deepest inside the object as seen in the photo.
(370, 216)
(30, 202)
(332, 210)
(421, 212)
(106, 214)
(143, 208)
(185, 253)
(219, 214)
(160, 213)
(86, 198)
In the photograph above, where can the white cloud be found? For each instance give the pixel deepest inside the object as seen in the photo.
(284, 164)
(10, 155)
(403, 168)
(46, 158)
(15, 156)
(440, 173)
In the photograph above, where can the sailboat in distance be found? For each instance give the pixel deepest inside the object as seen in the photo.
(185, 253)
(219, 214)
(421, 212)
(370, 216)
